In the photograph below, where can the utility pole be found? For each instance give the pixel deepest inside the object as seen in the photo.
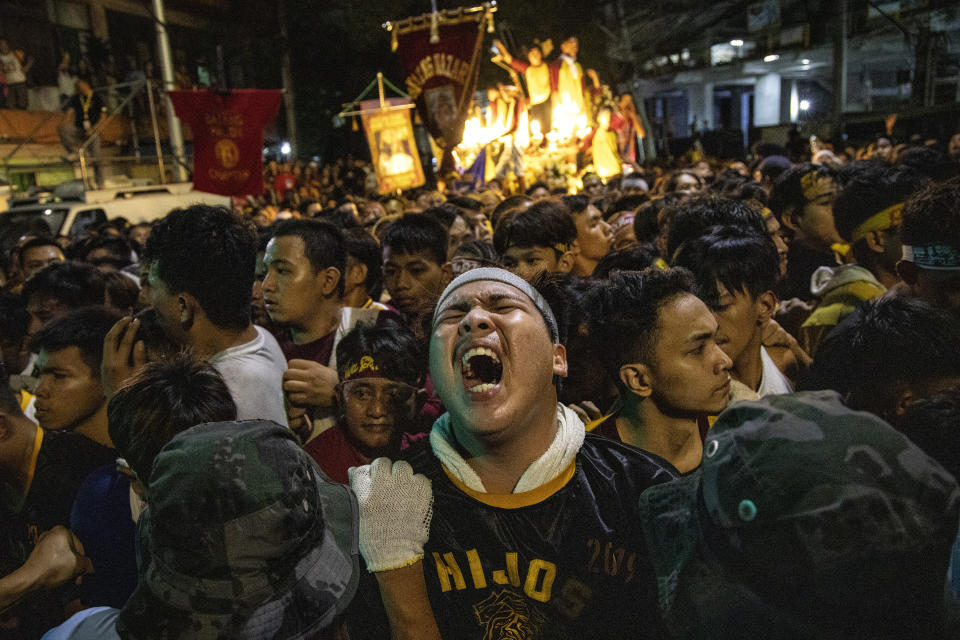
(166, 71)
(839, 69)
(289, 97)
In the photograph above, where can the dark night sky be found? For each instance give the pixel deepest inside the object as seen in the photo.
(337, 47)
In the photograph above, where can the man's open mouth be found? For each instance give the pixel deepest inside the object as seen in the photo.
(481, 369)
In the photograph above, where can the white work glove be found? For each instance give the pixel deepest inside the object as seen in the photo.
(395, 510)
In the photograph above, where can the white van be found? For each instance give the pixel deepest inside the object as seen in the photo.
(70, 210)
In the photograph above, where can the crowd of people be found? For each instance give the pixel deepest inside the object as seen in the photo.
(716, 400)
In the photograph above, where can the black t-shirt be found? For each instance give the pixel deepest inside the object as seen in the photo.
(85, 108)
(801, 263)
(64, 461)
(565, 561)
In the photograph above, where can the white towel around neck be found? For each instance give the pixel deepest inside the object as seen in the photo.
(555, 459)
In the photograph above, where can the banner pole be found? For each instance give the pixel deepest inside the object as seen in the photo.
(380, 87)
(166, 71)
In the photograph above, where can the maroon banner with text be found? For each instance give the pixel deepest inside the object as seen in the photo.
(227, 136)
(441, 77)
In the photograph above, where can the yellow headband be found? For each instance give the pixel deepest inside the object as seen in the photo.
(365, 368)
(886, 219)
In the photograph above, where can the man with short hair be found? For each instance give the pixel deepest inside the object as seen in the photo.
(302, 291)
(40, 472)
(541, 239)
(415, 266)
(524, 503)
(59, 288)
(802, 200)
(37, 253)
(891, 351)
(594, 236)
(736, 272)
(81, 115)
(70, 395)
(202, 262)
(930, 265)
(659, 344)
(363, 272)
(867, 212)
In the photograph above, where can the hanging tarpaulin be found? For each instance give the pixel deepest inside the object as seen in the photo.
(392, 145)
(227, 132)
(440, 55)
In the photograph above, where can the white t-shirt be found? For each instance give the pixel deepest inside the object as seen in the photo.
(10, 64)
(772, 380)
(253, 372)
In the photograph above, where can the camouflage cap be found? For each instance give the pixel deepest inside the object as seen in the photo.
(805, 520)
(244, 537)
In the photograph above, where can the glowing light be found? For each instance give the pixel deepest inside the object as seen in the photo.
(285, 148)
(804, 105)
(736, 43)
(805, 61)
(771, 58)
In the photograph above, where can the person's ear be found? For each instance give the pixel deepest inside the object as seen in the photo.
(566, 262)
(636, 378)
(356, 275)
(876, 240)
(419, 399)
(907, 271)
(791, 218)
(904, 398)
(329, 278)
(560, 360)
(188, 307)
(767, 306)
(447, 269)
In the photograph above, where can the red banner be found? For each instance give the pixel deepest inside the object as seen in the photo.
(227, 137)
(441, 77)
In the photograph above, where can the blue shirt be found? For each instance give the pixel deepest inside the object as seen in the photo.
(98, 623)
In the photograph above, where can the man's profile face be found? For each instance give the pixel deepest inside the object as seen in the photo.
(737, 313)
(292, 289)
(34, 259)
(167, 305)
(594, 235)
(414, 280)
(535, 56)
(492, 360)
(689, 372)
(69, 392)
(817, 223)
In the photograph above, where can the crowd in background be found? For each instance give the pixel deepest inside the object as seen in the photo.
(315, 307)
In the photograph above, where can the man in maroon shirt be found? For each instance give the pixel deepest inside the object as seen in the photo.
(305, 261)
(381, 371)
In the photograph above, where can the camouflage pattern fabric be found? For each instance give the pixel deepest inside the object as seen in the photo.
(805, 520)
(244, 537)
